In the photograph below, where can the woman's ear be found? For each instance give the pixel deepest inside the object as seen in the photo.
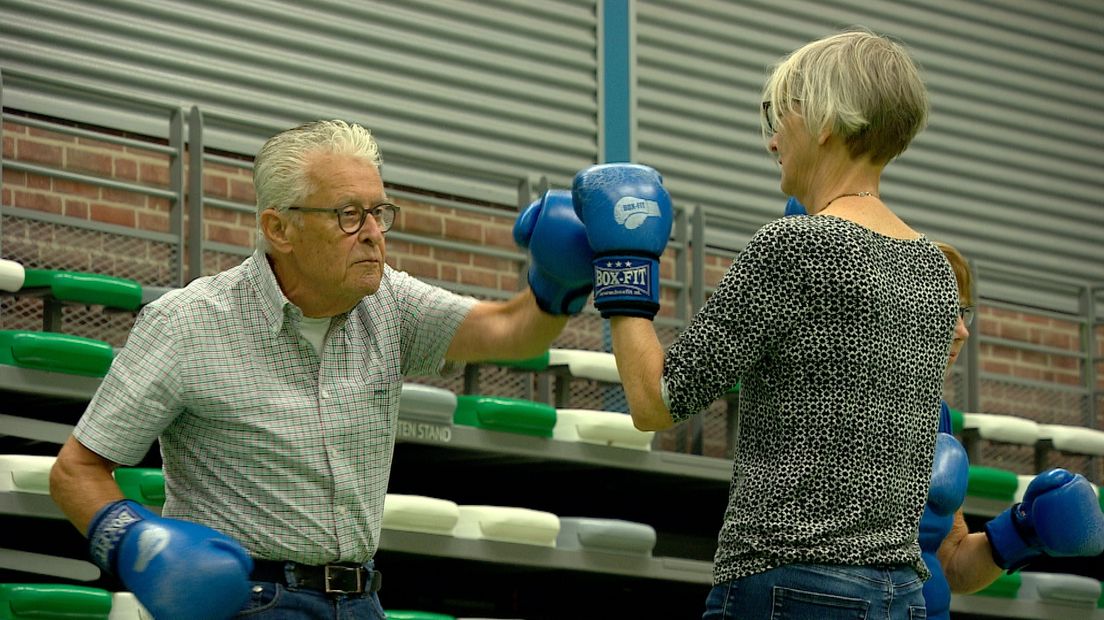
(276, 230)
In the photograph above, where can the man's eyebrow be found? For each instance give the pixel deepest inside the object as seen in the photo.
(356, 200)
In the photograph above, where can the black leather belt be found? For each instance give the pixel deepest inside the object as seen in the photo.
(331, 578)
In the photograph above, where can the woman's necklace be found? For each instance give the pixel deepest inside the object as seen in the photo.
(856, 194)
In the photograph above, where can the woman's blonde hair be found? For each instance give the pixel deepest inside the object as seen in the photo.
(858, 85)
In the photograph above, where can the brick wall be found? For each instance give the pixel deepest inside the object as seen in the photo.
(60, 246)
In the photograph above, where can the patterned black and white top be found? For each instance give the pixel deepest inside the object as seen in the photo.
(839, 338)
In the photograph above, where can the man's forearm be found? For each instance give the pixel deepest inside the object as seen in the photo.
(967, 559)
(81, 483)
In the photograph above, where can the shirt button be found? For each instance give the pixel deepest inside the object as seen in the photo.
(341, 510)
(325, 394)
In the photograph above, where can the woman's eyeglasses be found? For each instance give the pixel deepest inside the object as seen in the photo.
(966, 313)
(767, 116)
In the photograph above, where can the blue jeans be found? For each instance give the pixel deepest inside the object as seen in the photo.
(827, 592)
(276, 601)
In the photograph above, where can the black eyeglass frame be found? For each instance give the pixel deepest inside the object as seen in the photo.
(377, 212)
(767, 116)
(967, 314)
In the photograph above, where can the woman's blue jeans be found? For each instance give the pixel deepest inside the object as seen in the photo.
(825, 592)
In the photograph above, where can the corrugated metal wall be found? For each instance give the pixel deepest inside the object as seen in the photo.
(468, 96)
(458, 91)
(1010, 169)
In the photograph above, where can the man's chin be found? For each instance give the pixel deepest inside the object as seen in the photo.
(369, 287)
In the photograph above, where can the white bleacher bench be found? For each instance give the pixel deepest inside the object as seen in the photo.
(508, 524)
(1021, 487)
(1075, 439)
(24, 473)
(124, 606)
(568, 364)
(609, 535)
(582, 364)
(1002, 428)
(604, 428)
(25, 487)
(12, 275)
(417, 513)
(426, 403)
(998, 428)
(42, 564)
(1062, 589)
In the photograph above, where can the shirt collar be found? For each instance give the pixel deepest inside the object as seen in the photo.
(273, 301)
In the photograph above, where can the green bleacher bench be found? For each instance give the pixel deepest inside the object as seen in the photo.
(511, 415)
(992, 483)
(85, 288)
(1006, 586)
(55, 352)
(957, 420)
(145, 485)
(23, 601)
(533, 364)
(471, 371)
(403, 614)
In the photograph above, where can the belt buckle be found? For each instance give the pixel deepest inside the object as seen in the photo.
(332, 571)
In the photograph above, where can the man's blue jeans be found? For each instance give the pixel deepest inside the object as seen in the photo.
(825, 592)
(276, 601)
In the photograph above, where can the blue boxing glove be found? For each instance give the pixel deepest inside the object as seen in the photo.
(949, 479)
(794, 207)
(178, 570)
(1060, 516)
(560, 273)
(628, 218)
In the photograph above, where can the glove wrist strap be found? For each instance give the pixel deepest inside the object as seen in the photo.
(1010, 549)
(626, 284)
(108, 528)
(557, 300)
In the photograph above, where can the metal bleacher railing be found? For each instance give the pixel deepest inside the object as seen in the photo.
(172, 147)
(172, 256)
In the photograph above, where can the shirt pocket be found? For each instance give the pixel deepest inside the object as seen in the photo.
(374, 394)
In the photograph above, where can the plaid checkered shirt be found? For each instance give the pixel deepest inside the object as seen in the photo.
(261, 438)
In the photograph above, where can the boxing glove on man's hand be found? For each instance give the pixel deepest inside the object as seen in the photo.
(560, 271)
(178, 570)
(628, 218)
(1060, 516)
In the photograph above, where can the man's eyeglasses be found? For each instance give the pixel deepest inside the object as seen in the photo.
(350, 218)
(966, 313)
